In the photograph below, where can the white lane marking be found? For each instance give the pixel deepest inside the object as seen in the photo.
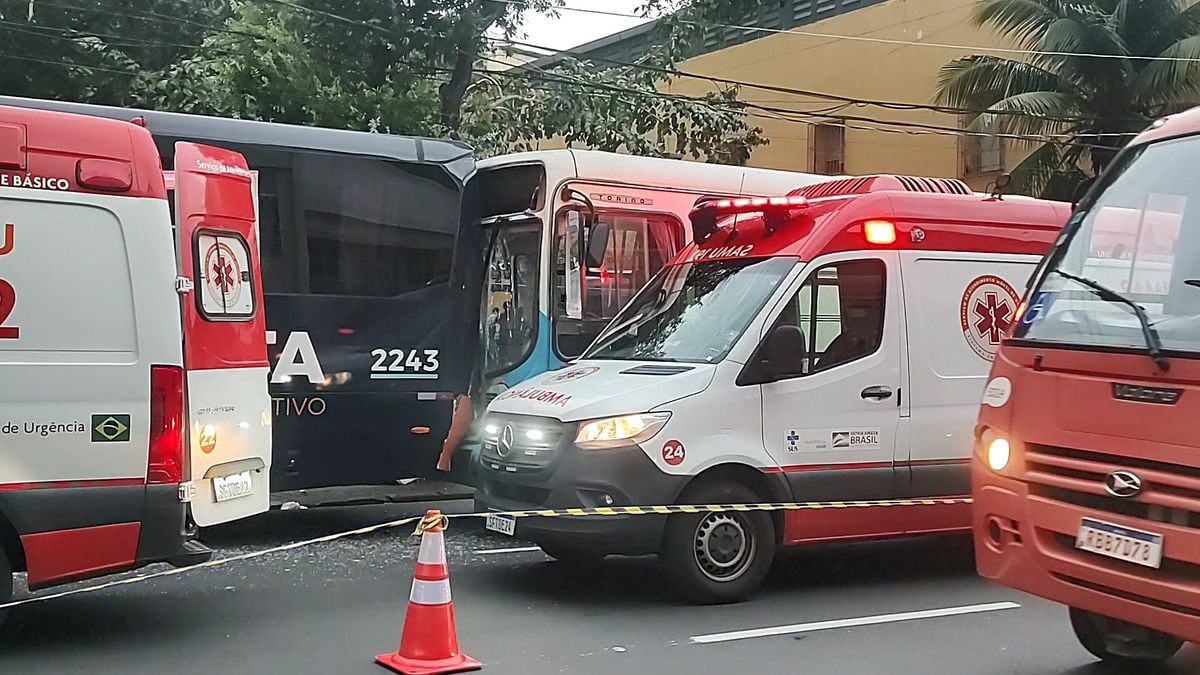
(501, 551)
(851, 623)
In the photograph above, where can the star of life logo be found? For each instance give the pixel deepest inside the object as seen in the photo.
(987, 311)
(223, 282)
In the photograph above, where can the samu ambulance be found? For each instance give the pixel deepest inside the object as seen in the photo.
(133, 361)
(830, 345)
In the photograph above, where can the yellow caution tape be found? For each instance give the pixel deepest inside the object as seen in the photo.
(427, 522)
(668, 509)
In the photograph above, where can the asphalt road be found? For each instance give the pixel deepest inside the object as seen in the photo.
(899, 607)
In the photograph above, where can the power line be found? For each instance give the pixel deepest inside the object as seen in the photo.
(862, 38)
(896, 105)
(783, 114)
(844, 118)
(789, 115)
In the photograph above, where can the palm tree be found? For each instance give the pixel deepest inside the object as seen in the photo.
(1080, 107)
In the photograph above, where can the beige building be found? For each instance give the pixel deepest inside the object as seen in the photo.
(815, 55)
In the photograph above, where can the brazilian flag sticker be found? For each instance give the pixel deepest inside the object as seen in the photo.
(110, 428)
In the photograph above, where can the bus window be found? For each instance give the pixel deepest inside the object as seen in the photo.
(373, 228)
(622, 251)
(510, 313)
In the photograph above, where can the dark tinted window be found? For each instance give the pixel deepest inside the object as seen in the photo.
(840, 310)
(372, 227)
(345, 225)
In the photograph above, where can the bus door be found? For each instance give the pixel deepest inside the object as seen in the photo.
(225, 351)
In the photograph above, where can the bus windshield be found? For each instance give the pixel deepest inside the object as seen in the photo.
(692, 312)
(1135, 250)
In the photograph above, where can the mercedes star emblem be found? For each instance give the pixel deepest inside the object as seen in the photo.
(505, 444)
(1123, 484)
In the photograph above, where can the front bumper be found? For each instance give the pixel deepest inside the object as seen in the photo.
(577, 478)
(1026, 542)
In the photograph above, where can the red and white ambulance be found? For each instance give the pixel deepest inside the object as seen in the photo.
(133, 361)
(826, 346)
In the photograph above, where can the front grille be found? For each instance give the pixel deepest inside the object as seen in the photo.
(1170, 492)
(521, 494)
(535, 443)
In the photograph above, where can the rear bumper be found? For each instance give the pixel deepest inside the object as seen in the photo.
(74, 533)
(1026, 542)
(168, 533)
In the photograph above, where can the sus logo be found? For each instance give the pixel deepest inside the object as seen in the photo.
(571, 375)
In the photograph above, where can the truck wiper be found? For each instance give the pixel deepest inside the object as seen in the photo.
(1153, 342)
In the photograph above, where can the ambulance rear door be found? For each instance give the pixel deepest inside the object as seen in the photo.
(225, 350)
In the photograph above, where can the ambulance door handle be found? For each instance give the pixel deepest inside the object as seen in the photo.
(877, 393)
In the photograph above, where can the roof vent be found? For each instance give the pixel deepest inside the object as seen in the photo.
(883, 183)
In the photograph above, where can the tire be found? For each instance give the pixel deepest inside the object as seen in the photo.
(572, 555)
(716, 558)
(1121, 642)
(6, 583)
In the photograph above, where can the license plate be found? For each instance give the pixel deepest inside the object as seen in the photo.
(1120, 542)
(232, 486)
(502, 524)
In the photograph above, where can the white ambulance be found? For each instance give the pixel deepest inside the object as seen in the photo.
(133, 360)
(826, 346)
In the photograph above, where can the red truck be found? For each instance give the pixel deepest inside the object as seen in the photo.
(1086, 471)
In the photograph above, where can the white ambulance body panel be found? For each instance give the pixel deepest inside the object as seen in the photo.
(954, 336)
(85, 268)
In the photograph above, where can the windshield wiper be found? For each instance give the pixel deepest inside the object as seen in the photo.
(1153, 342)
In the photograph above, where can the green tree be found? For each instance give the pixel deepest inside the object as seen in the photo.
(614, 106)
(1098, 71)
(397, 66)
(92, 50)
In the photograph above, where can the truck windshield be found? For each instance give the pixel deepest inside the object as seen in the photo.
(1137, 245)
(693, 312)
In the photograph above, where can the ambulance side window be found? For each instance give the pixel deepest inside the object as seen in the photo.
(840, 310)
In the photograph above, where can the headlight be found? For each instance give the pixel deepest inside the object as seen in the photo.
(998, 454)
(491, 429)
(614, 431)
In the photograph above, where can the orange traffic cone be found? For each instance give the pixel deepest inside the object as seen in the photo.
(428, 643)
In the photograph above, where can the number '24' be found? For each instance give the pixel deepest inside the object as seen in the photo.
(417, 361)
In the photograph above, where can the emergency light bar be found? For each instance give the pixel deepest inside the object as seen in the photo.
(774, 209)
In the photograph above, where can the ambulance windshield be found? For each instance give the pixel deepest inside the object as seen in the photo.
(693, 312)
(1127, 274)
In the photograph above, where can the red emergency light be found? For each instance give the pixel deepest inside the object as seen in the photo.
(774, 209)
(882, 232)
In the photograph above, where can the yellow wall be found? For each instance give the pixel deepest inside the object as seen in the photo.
(857, 69)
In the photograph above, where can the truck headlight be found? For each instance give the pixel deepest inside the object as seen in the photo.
(998, 453)
(613, 431)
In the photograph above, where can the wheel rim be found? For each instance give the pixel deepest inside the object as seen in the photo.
(723, 546)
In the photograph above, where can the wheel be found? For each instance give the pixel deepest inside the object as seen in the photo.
(713, 558)
(572, 555)
(6, 583)
(1122, 642)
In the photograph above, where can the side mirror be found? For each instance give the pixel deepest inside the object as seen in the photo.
(597, 243)
(779, 357)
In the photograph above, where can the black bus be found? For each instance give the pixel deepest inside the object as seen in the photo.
(372, 260)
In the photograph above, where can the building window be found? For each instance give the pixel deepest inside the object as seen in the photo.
(828, 149)
(982, 154)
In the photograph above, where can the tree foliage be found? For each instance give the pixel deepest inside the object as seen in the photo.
(1085, 106)
(397, 66)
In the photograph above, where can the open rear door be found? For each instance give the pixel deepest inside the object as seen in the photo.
(224, 343)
